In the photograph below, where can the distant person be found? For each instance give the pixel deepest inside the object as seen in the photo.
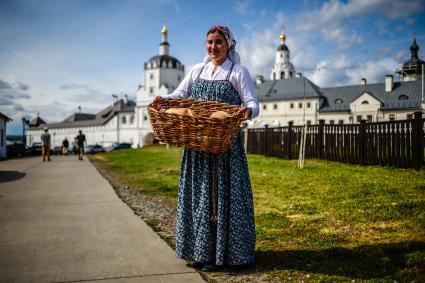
(74, 146)
(45, 149)
(81, 141)
(65, 145)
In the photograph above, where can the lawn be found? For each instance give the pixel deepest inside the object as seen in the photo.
(328, 222)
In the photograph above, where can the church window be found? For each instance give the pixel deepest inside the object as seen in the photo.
(282, 75)
(264, 107)
(341, 122)
(151, 76)
(275, 106)
(392, 117)
(369, 118)
(300, 105)
(331, 122)
(308, 105)
(132, 119)
(338, 101)
(151, 90)
(274, 76)
(403, 97)
(365, 102)
(145, 117)
(291, 105)
(123, 120)
(359, 118)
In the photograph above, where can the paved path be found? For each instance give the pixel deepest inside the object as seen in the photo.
(61, 221)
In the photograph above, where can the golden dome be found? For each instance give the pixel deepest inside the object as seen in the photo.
(282, 37)
(164, 30)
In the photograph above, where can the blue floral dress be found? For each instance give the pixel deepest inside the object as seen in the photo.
(231, 241)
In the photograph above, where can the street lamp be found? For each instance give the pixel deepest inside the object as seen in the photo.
(24, 122)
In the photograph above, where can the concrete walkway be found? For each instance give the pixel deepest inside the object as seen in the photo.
(61, 221)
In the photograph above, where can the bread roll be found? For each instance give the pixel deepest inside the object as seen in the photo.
(219, 115)
(181, 111)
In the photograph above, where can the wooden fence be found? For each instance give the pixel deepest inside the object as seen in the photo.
(393, 143)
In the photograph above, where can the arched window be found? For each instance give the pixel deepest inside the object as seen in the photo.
(403, 97)
(282, 75)
(338, 101)
(365, 102)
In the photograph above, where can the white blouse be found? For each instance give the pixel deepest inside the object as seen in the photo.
(239, 78)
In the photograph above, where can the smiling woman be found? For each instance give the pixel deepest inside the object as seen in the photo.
(215, 213)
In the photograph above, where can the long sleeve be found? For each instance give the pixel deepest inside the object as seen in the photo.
(245, 88)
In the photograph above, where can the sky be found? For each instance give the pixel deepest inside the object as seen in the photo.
(56, 55)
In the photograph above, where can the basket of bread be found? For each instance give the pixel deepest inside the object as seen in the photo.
(202, 125)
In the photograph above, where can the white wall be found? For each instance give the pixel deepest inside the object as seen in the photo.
(104, 134)
(358, 107)
(284, 113)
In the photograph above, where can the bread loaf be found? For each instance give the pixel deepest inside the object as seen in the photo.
(181, 111)
(219, 115)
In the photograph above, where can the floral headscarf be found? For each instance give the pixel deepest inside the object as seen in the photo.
(231, 43)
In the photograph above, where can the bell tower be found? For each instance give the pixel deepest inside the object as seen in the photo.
(282, 68)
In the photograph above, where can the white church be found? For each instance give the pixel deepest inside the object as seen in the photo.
(287, 98)
(123, 120)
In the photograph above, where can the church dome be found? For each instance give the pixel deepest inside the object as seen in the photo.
(164, 61)
(282, 47)
(414, 64)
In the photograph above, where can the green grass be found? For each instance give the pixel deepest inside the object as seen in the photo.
(328, 222)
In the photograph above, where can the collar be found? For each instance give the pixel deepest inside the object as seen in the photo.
(227, 64)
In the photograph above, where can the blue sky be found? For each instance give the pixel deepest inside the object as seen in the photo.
(56, 55)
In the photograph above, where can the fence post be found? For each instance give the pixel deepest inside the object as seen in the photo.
(362, 141)
(320, 144)
(418, 141)
(290, 140)
(245, 136)
(265, 140)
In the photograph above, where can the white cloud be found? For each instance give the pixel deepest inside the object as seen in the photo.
(341, 71)
(241, 7)
(258, 47)
(12, 93)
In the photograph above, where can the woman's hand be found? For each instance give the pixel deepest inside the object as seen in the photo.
(246, 112)
(155, 102)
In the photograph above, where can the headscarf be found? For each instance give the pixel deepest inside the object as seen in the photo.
(231, 44)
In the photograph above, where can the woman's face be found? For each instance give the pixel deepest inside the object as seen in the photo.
(216, 47)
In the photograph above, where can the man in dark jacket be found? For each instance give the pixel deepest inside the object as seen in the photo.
(45, 140)
(81, 141)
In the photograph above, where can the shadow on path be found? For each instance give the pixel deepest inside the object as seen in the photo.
(10, 176)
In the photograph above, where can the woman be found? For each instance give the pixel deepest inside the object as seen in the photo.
(231, 239)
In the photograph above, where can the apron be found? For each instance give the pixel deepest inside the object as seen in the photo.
(231, 241)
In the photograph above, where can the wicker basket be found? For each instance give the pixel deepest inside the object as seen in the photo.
(200, 132)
